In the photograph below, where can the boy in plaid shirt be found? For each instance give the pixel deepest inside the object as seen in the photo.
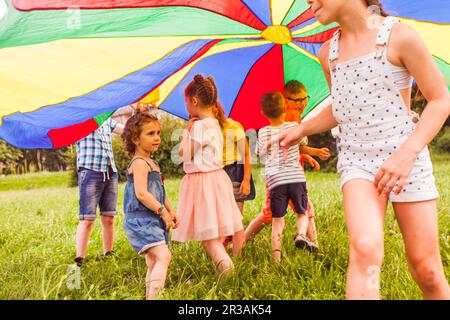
(98, 186)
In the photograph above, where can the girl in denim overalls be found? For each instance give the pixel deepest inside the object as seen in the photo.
(382, 146)
(148, 213)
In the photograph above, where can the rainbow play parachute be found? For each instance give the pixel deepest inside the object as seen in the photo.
(66, 65)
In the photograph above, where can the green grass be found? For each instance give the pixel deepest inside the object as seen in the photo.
(37, 242)
(34, 181)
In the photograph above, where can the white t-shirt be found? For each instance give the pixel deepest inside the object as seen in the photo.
(280, 171)
(208, 157)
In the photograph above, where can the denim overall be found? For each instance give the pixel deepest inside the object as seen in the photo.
(143, 227)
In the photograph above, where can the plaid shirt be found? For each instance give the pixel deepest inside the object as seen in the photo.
(95, 152)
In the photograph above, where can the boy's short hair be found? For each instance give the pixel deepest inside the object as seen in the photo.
(272, 104)
(294, 87)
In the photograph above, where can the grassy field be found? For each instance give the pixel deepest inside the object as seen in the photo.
(37, 242)
(34, 181)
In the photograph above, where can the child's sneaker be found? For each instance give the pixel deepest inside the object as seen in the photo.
(79, 261)
(109, 254)
(301, 241)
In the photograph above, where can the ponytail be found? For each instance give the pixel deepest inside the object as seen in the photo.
(219, 114)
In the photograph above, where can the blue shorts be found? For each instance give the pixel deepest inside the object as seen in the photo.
(97, 189)
(281, 195)
(145, 230)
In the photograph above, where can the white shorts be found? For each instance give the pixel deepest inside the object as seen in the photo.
(416, 188)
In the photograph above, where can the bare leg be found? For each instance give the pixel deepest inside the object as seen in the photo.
(263, 219)
(364, 214)
(255, 226)
(238, 237)
(241, 206)
(219, 256)
(158, 260)
(277, 236)
(150, 265)
(311, 233)
(238, 242)
(302, 223)
(107, 233)
(418, 223)
(82, 236)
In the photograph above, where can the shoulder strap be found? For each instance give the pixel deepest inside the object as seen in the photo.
(151, 169)
(385, 31)
(333, 50)
(157, 164)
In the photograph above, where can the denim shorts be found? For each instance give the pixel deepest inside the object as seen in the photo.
(236, 173)
(280, 196)
(145, 230)
(97, 189)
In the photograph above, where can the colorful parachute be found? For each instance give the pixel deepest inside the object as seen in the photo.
(66, 65)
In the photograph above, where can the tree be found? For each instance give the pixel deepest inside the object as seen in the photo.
(9, 156)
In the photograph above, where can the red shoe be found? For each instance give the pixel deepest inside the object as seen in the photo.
(227, 241)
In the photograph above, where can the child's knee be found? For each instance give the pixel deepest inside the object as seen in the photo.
(426, 272)
(277, 227)
(367, 250)
(87, 224)
(107, 221)
(160, 255)
(165, 257)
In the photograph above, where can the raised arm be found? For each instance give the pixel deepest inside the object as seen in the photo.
(119, 128)
(323, 122)
(188, 146)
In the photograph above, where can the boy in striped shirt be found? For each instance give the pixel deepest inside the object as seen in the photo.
(283, 173)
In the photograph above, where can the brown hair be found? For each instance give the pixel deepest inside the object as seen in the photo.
(219, 114)
(133, 129)
(294, 87)
(272, 104)
(204, 89)
(379, 5)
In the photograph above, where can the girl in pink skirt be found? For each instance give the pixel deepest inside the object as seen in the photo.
(207, 210)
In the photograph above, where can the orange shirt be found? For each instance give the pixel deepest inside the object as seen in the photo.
(293, 115)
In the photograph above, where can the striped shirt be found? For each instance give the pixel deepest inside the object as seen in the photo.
(95, 151)
(280, 171)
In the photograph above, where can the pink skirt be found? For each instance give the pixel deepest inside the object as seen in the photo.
(206, 208)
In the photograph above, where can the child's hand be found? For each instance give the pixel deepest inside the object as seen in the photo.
(245, 189)
(291, 137)
(324, 153)
(311, 161)
(167, 217)
(191, 123)
(396, 169)
(176, 223)
(139, 106)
